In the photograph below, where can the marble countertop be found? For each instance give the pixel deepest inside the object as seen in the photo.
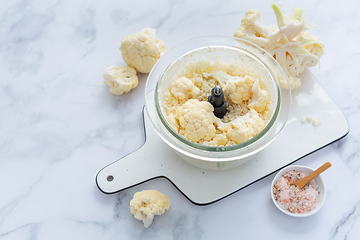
(59, 124)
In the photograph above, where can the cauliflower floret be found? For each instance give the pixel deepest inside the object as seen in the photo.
(121, 79)
(142, 50)
(238, 89)
(253, 29)
(148, 203)
(178, 92)
(288, 42)
(184, 89)
(243, 128)
(196, 120)
(259, 98)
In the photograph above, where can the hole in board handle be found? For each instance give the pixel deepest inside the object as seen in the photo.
(110, 178)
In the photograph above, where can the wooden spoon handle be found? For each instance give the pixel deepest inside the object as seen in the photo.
(302, 182)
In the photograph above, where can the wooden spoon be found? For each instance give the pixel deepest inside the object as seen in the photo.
(302, 182)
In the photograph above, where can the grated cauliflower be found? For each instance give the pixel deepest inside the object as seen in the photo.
(142, 50)
(148, 203)
(188, 112)
(196, 120)
(220, 139)
(288, 42)
(121, 79)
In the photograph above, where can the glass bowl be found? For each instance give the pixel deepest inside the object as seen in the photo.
(216, 49)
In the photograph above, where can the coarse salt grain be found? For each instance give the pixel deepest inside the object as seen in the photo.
(291, 198)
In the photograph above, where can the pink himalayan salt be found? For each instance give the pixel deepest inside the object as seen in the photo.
(293, 199)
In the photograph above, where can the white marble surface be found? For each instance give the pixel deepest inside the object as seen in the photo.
(59, 125)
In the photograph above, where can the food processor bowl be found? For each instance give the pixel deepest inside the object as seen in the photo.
(222, 50)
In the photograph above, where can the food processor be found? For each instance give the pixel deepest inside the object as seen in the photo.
(216, 50)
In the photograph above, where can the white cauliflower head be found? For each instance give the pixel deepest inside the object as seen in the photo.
(288, 42)
(148, 203)
(121, 79)
(196, 120)
(142, 50)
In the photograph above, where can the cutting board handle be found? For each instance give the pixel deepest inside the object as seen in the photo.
(127, 172)
(135, 168)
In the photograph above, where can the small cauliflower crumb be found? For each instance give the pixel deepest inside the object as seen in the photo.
(142, 50)
(121, 79)
(315, 122)
(148, 203)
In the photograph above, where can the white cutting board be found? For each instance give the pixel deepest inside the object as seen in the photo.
(156, 159)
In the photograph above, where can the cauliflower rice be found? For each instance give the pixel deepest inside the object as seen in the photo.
(249, 104)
